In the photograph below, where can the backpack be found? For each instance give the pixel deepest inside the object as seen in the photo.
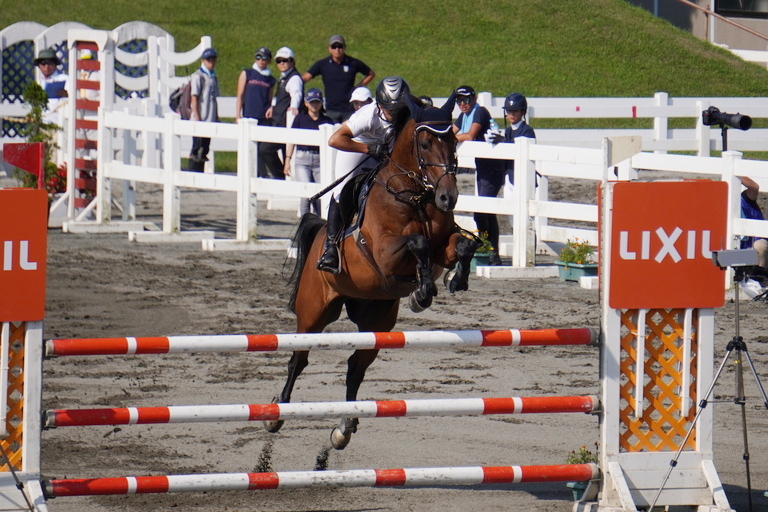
(180, 100)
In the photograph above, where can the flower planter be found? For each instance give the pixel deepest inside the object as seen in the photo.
(573, 271)
(479, 259)
(577, 488)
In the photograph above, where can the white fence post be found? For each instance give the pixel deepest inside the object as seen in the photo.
(661, 123)
(171, 164)
(524, 250)
(246, 199)
(327, 164)
(703, 131)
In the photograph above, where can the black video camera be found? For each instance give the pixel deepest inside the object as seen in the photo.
(713, 116)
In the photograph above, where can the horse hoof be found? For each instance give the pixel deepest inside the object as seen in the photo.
(339, 441)
(273, 426)
(415, 305)
(448, 277)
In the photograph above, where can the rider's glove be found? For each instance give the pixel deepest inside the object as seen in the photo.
(377, 150)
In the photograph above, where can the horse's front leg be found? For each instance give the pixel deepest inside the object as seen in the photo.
(421, 298)
(462, 249)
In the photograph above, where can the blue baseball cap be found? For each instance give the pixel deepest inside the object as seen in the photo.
(314, 95)
(209, 53)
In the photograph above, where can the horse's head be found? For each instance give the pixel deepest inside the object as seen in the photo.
(432, 151)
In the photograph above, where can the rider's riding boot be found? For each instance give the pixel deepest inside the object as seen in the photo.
(329, 261)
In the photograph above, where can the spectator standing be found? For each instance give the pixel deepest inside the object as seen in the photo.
(288, 97)
(338, 72)
(360, 97)
(255, 90)
(306, 159)
(751, 210)
(204, 106)
(472, 124)
(54, 82)
(515, 109)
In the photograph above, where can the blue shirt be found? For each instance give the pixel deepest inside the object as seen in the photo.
(305, 122)
(749, 210)
(256, 98)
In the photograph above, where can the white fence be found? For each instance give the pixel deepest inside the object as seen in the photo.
(123, 155)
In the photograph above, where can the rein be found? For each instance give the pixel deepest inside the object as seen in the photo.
(420, 177)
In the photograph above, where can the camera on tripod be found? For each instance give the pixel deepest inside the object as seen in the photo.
(735, 258)
(713, 116)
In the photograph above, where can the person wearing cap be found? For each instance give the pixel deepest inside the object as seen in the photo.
(363, 141)
(338, 71)
(52, 80)
(515, 109)
(255, 89)
(306, 159)
(204, 106)
(472, 124)
(288, 98)
(361, 96)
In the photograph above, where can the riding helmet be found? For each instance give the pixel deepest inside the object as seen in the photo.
(516, 101)
(391, 92)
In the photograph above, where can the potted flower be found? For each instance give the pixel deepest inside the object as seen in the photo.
(580, 456)
(482, 253)
(576, 259)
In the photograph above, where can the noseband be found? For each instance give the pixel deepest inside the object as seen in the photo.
(421, 178)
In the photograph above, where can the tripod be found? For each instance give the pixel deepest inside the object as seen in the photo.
(738, 345)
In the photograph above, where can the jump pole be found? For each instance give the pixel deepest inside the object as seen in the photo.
(320, 341)
(473, 475)
(320, 410)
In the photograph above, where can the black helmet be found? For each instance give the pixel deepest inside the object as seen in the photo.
(391, 92)
(515, 101)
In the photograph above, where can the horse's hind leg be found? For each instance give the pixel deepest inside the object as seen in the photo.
(369, 316)
(299, 360)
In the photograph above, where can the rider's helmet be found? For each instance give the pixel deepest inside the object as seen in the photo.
(392, 92)
(516, 101)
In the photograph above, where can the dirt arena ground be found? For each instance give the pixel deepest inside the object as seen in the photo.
(104, 285)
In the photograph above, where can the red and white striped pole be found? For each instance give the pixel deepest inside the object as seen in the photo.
(320, 410)
(474, 475)
(313, 341)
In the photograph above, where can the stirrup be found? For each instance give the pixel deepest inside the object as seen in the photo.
(330, 260)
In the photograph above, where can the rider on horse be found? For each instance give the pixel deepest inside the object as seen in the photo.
(367, 132)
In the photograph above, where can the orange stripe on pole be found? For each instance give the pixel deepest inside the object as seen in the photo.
(389, 477)
(154, 415)
(498, 475)
(262, 342)
(89, 486)
(498, 406)
(93, 347)
(560, 473)
(556, 337)
(390, 408)
(263, 481)
(497, 338)
(390, 340)
(152, 345)
(263, 412)
(545, 404)
(151, 484)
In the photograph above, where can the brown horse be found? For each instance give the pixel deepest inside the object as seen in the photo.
(407, 238)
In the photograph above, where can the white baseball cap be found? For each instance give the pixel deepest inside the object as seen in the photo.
(284, 53)
(360, 94)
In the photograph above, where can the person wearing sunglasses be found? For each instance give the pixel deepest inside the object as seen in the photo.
(288, 98)
(339, 71)
(54, 82)
(255, 89)
(472, 124)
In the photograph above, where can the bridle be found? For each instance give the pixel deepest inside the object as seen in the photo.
(420, 177)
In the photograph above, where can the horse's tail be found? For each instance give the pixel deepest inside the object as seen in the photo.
(309, 225)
